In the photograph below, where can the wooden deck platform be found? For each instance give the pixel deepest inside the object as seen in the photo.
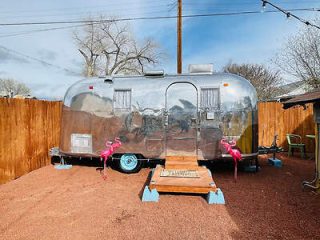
(186, 176)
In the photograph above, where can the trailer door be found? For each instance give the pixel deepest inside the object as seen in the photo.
(181, 119)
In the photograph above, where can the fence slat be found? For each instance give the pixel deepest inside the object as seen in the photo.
(273, 119)
(28, 129)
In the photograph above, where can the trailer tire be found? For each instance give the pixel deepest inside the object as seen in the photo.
(129, 163)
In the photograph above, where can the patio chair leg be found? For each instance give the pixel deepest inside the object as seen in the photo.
(289, 151)
(303, 151)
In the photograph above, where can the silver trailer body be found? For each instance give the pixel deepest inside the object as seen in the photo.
(159, 116)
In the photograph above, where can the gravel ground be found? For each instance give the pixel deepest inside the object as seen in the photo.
(79, 204)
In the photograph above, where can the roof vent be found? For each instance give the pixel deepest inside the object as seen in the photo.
(201, 68)
(154, 73)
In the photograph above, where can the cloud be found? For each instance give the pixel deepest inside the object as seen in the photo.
(7, 56)
(43, 82)
(47, 55)
(249, 38)
(77, 63)
(241, 39)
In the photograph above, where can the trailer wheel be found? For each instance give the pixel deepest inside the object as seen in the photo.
(129, 163)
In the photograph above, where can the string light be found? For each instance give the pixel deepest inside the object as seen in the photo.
(264, 6)
(289, 14)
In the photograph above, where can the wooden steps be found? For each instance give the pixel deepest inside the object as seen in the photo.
(182, 162)
(201, 183)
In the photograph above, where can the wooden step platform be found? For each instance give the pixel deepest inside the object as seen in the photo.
(182, 174)
(182, 162)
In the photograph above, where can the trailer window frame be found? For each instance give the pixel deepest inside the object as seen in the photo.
(126, 107)
(202, 97)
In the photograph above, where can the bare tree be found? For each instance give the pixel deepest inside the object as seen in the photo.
(264, 80)
(300, 57)
(89, 46)
(10, 87)
(109, 47)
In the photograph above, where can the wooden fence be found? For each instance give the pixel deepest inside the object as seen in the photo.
(273, 119)
(29, 128)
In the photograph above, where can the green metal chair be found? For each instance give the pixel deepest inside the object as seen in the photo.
(294, 141)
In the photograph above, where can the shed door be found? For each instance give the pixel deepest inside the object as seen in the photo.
(181, 120)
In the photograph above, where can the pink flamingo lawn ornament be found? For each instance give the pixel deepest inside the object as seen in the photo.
(105, 154)
(235, 154)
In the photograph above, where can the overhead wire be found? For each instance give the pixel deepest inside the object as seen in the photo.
(289, 14)
(150, 18)
(81, 23)
(151, 3)
(88, 12)
(243, 2)
(11, 51)
(40, 30)
(133, 4)
(134, 7)
(89, 22)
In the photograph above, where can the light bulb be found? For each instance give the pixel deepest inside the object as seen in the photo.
(288, 16)
(264, 6)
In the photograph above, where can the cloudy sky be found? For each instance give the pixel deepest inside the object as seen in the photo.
(46, 59)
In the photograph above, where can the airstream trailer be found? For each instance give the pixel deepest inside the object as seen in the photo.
(158, 115)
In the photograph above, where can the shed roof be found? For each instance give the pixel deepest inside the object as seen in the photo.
(302, 99)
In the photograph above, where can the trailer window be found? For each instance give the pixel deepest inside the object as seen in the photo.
(122, 99)
(209, 98)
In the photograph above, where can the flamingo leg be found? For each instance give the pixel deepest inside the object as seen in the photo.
(104, 168)
(235, 170)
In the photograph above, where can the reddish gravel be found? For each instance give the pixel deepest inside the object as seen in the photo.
(78, 204)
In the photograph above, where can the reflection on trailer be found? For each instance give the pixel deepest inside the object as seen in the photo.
(158, 115)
